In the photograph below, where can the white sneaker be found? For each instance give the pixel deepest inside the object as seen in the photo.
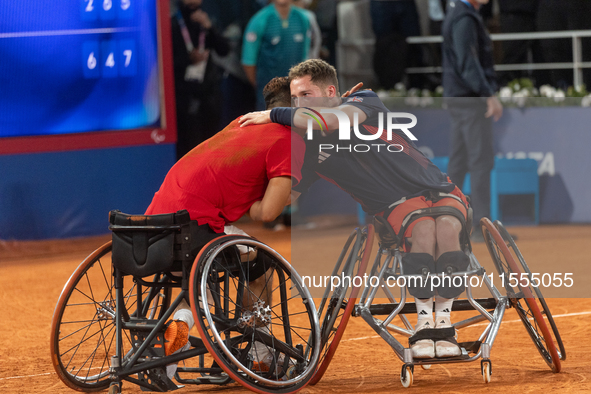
(425, 348)
(446, 348)
(265, 358)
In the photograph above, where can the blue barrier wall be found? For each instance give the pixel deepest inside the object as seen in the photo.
(557, 138)
(69, 194)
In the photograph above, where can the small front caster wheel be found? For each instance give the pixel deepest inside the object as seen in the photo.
(406, 375)
(486, 370)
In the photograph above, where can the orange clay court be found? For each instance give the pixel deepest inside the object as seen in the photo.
(32, 275)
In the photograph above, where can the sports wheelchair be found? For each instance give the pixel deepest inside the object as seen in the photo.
(342, 302)
(109, 323)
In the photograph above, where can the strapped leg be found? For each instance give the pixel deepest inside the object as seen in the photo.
(419, 264)
(448, 263)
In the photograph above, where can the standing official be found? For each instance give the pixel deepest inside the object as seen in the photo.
(469, 79)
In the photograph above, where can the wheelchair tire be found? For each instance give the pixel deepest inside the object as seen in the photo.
(83, 334)
(535, 289)
(335, 311)
(522, 298)
(281, 326)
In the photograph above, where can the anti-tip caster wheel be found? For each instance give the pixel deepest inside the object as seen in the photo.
(115, 388)
(426, 366)
(486, 370)
(406, 373)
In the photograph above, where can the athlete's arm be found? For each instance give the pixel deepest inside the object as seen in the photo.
(293, 197)
(264, 117)
(322, 119)
(275, 198)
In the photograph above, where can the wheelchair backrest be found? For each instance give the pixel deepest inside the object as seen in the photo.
(144, 245)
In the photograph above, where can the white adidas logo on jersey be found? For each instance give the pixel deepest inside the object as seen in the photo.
(323, 156)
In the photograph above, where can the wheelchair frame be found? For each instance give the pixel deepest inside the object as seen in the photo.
(86, 322)
(528, 301)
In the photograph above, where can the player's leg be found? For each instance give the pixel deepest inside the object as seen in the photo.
(448, 255)
(448, 258)
(421, 237)
(176, 336)
(418, 261)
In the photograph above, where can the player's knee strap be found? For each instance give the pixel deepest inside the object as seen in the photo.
(448, 263)
(419, 265)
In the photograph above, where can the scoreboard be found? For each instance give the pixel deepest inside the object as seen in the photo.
(78, 74)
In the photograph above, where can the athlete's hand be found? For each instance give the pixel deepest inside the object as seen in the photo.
(494, 108)
(261, 117)
(202, 18)
(354, 89)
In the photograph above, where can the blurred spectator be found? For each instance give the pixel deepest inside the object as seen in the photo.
(315, 34)
(276, 38)
(468, 74)
(556, 15)
(238, 94)
(326, 15)
(518, 16)
(393, 21)
(197, 79)
(436, 15)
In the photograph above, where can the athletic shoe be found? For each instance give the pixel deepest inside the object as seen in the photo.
(424, 348)
(264, 365)
(264, 357)
(446, 348)
(176, 337)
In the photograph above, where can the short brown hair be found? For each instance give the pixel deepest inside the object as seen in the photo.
(276, 93)
(320, 72)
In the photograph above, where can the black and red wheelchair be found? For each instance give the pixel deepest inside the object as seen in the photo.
(391, 318)
(109, 323)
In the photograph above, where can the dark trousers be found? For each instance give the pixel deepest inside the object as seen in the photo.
(238, 99)
(472, 151)
(392, 22)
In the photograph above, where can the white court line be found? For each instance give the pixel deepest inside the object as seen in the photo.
(46, 33)
(345, 340)
(28, 376)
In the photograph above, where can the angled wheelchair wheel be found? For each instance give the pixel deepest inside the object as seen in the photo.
(83, 332)
(337, 304)
(523, 298)
(254, 315)
(539, 298)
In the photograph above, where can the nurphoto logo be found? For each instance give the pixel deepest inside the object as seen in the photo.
(392, 123)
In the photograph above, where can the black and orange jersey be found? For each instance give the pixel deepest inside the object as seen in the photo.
(375, 173)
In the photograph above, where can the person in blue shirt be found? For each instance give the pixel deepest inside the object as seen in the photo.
(276, 38)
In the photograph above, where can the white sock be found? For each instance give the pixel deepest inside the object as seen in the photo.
(443, 307)
(185, 315)
(424, 309)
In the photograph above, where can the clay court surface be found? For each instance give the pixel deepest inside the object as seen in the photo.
(32, 275)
